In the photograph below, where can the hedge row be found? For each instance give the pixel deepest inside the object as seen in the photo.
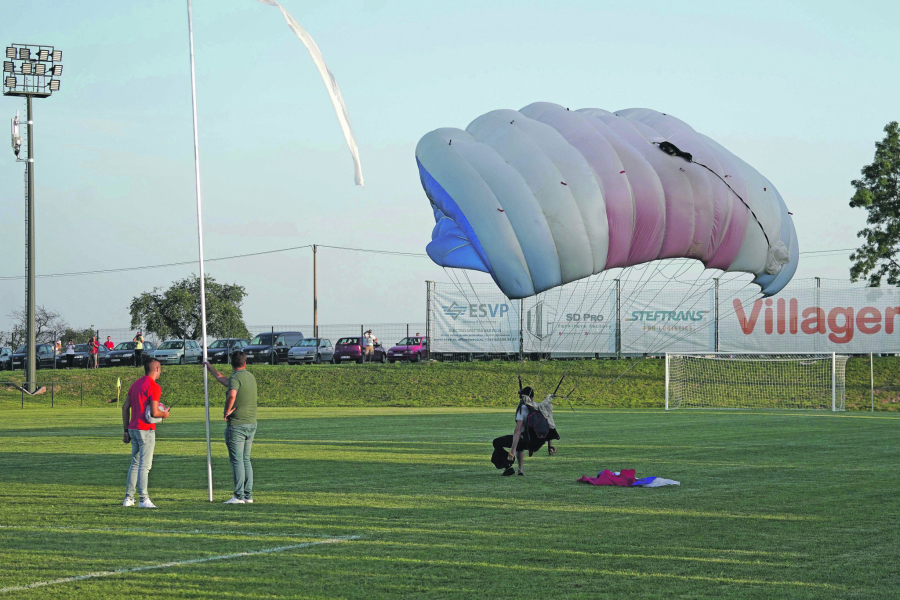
(629, 383)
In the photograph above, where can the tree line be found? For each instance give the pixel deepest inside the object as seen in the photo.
(172, 313)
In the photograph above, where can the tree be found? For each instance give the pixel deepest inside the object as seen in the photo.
(78, 336)
(879, 193)
(175, 312)
(49, 326)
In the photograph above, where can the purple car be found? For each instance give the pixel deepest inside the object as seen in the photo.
(350, 348)
(412, 349)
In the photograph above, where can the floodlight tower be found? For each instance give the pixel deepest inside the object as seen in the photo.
(32, 71)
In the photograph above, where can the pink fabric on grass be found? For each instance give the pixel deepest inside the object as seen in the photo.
(625, 478)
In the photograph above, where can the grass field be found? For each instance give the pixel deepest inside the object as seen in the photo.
(632, 383)
(782, 505)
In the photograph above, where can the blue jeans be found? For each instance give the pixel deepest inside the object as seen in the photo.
(239, 439)
(142, 445)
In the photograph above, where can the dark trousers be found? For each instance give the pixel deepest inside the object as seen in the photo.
(69, 359)
(137, 358)
(500, 457)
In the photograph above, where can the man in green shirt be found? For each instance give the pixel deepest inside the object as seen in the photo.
(240, 416)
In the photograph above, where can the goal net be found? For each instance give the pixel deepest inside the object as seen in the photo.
(769, 381)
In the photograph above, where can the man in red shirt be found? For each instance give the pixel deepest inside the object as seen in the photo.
(94, 345)
(109, 345)
(143, 393)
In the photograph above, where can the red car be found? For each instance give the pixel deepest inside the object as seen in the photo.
(350, 348)
(413, 349)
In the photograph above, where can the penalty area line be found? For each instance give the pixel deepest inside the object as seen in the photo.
(179, 563)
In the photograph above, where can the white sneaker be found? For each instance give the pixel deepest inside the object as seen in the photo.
(128, 501)
(234, 500)
(146, 504)
(248, 500)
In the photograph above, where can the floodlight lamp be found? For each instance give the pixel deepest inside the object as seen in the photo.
(24, 54)
(40, 69)
(43, 55)
(57, 55)
(56, 70)
(26, 68)
(10, 52)
(54, 85)
(10, 82)
(8, 66)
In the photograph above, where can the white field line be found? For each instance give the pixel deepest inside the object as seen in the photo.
(174, 564)
(152, 530)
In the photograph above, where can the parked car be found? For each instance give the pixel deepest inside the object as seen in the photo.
(261, 349)
(350, 348)
(123, 354)
(6, 359)
(412, 349)
(309, 351)
(82, 357)
(179, 352)
(43, 354)
(220, 351)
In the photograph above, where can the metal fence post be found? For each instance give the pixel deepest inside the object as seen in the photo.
(428, 317)
(818, 313)
(521, 332)
(618, 319)
(23, 396)
(82, 393)
(51, 395)
(716, 343)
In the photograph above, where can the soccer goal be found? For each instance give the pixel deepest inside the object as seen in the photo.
(760, 380)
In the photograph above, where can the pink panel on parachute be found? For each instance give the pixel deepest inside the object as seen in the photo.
(729, 215)
(604, 160)
(649, 198)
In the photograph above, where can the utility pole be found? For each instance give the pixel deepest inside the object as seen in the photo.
(30, 338)
(315, 297)
(29, 70)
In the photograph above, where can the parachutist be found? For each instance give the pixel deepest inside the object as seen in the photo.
(534, 427)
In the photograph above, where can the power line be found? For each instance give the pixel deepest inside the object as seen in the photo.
(836, 250)
(278, 250)
(193, 262)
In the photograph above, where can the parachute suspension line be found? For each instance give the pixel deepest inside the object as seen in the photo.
(458, 286)
(673, 150)
(641, 284)
(651, 272)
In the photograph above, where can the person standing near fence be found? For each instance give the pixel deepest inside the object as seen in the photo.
(94, 345)
(138, 348)
(70, 354)
(240, 414)
(142, 435)
(109, 343)
(369, 346)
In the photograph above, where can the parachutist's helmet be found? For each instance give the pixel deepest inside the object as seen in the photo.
(527, 391)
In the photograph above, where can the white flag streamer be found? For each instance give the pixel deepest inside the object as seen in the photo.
(330, 84)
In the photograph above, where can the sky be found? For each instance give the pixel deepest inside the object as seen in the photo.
(800, 90)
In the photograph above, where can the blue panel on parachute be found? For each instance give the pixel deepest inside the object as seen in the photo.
(453, 242)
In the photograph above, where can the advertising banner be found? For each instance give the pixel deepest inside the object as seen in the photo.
(667, 319)
(569, 321)
(481, 322)
(853, 320)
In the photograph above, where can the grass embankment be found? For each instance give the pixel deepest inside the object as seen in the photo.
(783, 505)
(640, 384)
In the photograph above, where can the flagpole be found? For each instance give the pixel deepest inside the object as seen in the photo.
(200, 243)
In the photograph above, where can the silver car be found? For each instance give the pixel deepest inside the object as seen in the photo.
(310, 351)
(178, 352)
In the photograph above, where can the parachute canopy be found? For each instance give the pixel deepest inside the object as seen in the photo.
(544, 196)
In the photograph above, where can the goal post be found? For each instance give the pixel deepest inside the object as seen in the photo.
(773, 380)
